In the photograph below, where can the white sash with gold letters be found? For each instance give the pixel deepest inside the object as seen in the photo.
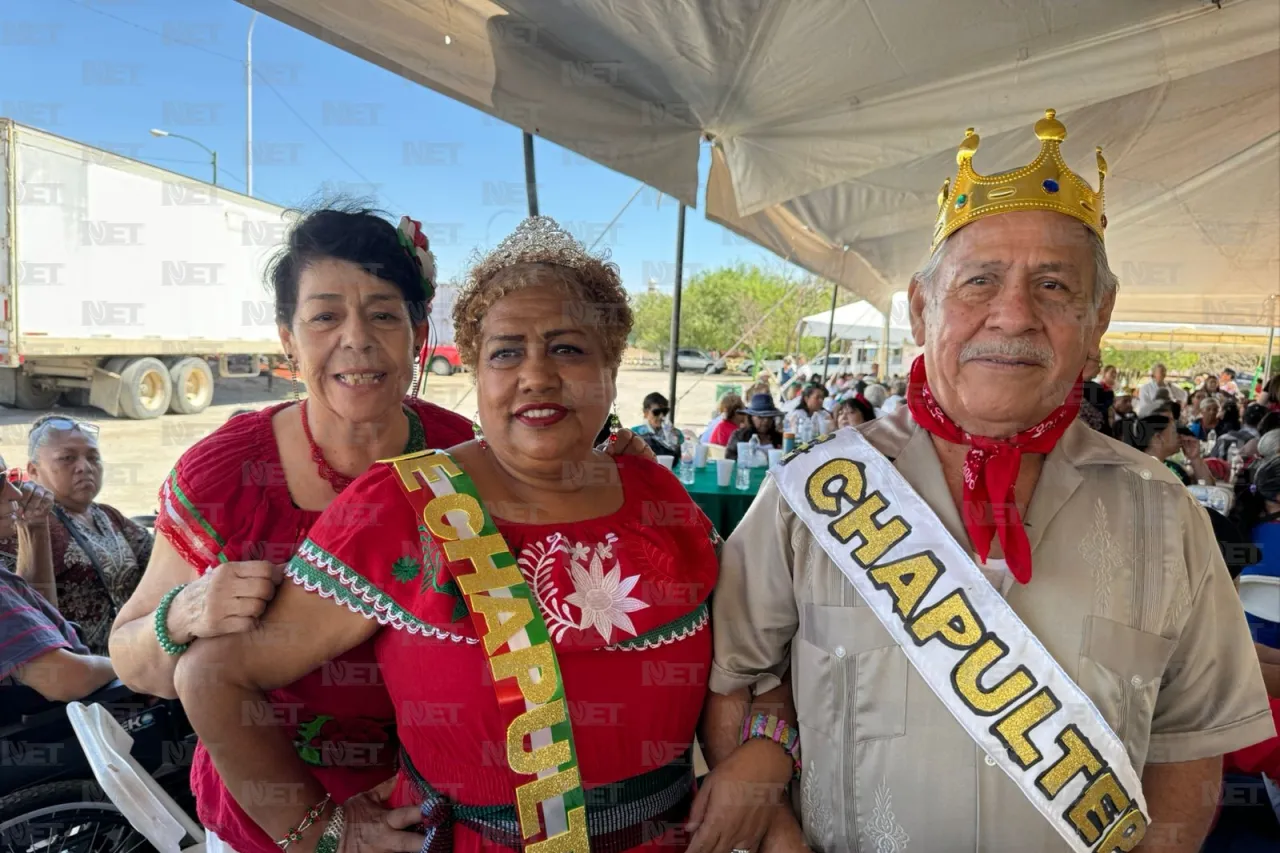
(966, 642)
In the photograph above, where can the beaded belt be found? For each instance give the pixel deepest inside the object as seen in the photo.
(620, 815)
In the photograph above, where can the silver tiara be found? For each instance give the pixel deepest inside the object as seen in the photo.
(536, 240)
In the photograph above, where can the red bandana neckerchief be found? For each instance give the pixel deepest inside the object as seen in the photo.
(991, 469)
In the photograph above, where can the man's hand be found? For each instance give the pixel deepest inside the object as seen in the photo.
(34, 505)
(739, 799)
(785, 834)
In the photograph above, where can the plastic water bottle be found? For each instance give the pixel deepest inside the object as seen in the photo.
(755, 452)
(743, 481)
(668, 434)
(788, 442)
(687, 472)
(1236, 461)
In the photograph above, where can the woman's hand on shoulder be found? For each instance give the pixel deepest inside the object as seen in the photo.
(370, 826)
(629, 444)
(227, 599)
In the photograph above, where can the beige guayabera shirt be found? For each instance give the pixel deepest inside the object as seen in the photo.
(1129, 594)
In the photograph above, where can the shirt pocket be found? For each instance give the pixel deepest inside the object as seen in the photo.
(849, 666)
(1122, 669)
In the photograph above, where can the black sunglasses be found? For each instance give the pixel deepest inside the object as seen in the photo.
(662, 413)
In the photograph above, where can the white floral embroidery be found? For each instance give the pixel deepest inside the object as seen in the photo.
(536, 563)
(883, 828)
(604, 599)
(1103, 554)
(814, 807)
(580, 551)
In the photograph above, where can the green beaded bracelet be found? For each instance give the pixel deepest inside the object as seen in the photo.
(162, 618)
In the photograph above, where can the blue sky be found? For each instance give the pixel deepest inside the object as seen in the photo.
(107, 71)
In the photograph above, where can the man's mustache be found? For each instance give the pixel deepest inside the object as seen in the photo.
(1021, 349)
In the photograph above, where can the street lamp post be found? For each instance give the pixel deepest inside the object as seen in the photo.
(248, 107)
(213, 155)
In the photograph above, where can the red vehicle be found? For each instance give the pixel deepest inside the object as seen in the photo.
(443, 360)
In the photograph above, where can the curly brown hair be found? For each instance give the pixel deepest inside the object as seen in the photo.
(598, 302)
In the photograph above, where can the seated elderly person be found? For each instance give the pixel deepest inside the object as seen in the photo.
(98, 553)
(38, 647)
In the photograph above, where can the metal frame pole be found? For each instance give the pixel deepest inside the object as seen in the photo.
(885, 353)
(675, 313)
(831, 328)
(248, 108)
(1271, 337)
(530, 175)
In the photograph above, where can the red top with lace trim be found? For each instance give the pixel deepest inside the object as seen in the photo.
(624, 597)
(227, 500)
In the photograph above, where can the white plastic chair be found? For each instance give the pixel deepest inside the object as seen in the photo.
(1260, 595)
(132, 790)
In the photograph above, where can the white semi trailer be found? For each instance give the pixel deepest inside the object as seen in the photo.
(125, 286)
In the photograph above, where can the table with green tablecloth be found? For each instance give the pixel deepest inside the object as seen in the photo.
(724, 505)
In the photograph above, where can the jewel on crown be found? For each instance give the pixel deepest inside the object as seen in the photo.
(536, 240)
(1047, 183)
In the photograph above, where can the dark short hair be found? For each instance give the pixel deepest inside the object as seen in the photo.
(655, 401)
(868, 413)
(354, 234)
(1254, 413)
(1139, 432)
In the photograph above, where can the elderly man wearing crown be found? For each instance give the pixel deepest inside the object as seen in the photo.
(1004, 630)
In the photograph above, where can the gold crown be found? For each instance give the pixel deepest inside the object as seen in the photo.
(1047, 184)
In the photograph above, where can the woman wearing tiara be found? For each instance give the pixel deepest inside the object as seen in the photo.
(352, 294)
(538, 608)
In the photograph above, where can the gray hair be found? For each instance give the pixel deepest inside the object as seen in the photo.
(1269, 444)
(39, 435)
(1105, 282)
(875, 395)
(900, 387)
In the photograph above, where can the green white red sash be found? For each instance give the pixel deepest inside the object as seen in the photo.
(513, 634)
(968, 645)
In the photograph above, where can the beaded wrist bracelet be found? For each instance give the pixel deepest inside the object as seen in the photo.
(769, 727)
(162, 619)
(312, 815)
(332, 837)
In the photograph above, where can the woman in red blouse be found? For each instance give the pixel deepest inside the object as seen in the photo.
(595, 649)
(352, 295)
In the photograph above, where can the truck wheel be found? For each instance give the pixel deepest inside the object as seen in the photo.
(440, 366)
(28, 396)
(145, 389)
(192, 382)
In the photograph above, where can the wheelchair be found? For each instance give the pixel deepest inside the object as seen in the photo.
(51, 799)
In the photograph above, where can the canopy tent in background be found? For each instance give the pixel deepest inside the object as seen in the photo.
(1172, 337)
(860, 321)
(833, 122)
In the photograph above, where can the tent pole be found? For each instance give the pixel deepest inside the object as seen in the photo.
(831, 328)
(885, 352)
(675, 313)
(1271, 336)
(530, 177)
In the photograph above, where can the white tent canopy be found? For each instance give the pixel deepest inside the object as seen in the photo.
(834, 122)
(860, 321)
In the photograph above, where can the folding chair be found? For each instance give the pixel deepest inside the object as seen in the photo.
(148, 808)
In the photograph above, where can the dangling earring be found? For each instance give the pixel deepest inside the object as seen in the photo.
(293, 378)
(475, 428)
(615, 425)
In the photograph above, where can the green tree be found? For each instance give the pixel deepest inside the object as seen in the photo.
(758, 307)
(652, 327)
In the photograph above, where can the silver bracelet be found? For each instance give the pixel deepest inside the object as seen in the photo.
(331, 838)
